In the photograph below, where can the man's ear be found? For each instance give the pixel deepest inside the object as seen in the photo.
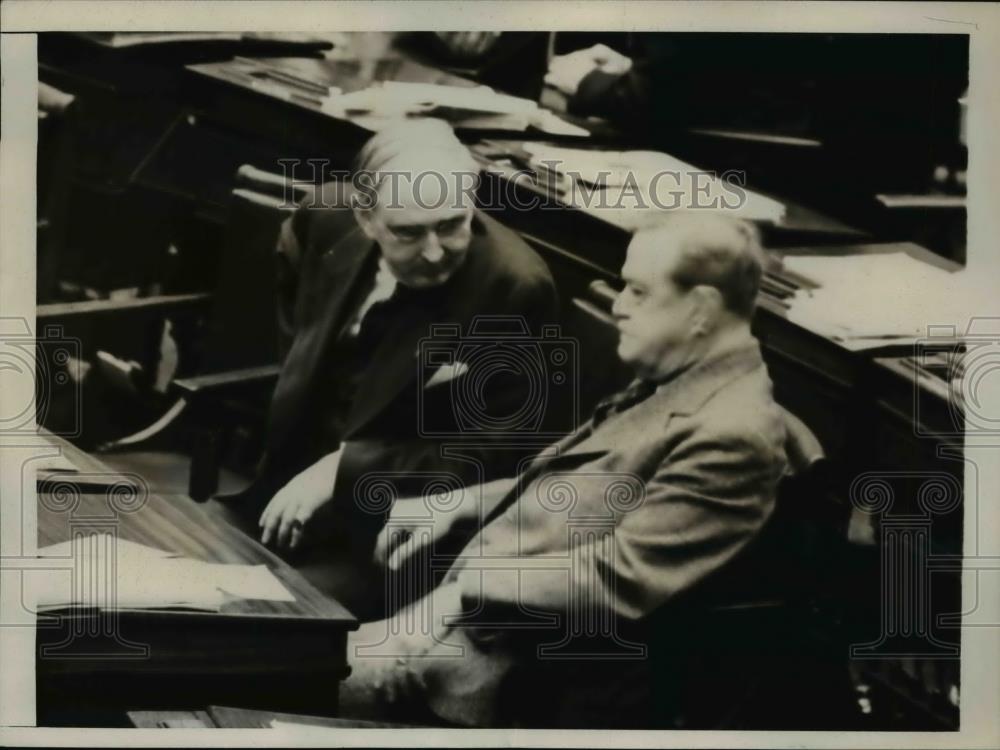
(365, 220)
(707, 308)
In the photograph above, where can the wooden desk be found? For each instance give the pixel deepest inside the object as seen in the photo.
(863, 409)
(225, 96)
(530, 208)
(94, 665)
(248, 84)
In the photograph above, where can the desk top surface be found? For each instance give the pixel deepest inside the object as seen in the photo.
(177, 524)
(303, 81)
(798, 218)
(351, 69)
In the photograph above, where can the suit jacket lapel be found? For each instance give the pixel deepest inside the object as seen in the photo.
(341, 266)
(393, 366)
(683, 395)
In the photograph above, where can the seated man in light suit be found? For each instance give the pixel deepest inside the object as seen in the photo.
(666, 483)
(368, 282)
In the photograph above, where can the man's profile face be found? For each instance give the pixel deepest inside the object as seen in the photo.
(652, 314)
(423, 228)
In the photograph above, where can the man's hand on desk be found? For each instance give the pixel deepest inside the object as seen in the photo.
(285, 517)
(567, 71)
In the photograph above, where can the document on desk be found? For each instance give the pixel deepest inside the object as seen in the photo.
(103, 570)
(866, 301)
(632, 189)
(464, 106)
(56, 464)
(471, 98)
(59, 471)
(127, 551)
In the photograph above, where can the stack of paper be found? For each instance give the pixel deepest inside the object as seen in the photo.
(60, 470)
(464, 106)
(58, 463)
(631, 189)
(101, 570)
(865, 300)
(470, 98)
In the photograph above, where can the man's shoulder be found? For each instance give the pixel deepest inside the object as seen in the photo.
(321, 225)
(502, 254)
(742, 412)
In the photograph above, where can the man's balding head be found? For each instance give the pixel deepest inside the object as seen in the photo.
(403, 138)
(690, 283)
(414, 195)
(709, 249)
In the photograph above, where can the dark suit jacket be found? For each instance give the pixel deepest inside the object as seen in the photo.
(616, 521)
(323, 252)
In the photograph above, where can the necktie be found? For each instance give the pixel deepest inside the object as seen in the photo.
(635, 393)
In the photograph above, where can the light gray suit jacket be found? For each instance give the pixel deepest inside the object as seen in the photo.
(615, 520)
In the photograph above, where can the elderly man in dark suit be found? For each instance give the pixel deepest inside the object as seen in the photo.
(365, 283)
(658, 492)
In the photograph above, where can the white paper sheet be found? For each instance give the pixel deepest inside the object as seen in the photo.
(472, 98)
(549, 122)
(636, 187)
(396, 98)
(95, 581)
(245, 581)
(57, 463)
(871, 299)
(110, 572)
(464, 106)
(126, 549)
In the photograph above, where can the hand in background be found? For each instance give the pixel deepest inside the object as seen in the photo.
(468, 45)
(567, 71)
(285, 517)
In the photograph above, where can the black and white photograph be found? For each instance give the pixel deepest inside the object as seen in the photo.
(562, 368)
